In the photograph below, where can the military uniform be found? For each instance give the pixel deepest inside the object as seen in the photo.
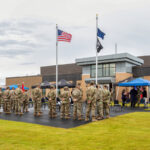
(77, 103)
(37, 95)
(65, 103)
(25, 101)
(106, 102)
(52, 103)
(1, 98)
(12, 99)
(7, 104)
(91, 102)
(18, 101)
(99, 96)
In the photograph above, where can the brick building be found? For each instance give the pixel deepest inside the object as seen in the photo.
(111, 69)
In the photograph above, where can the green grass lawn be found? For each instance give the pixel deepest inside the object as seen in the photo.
(127, 132)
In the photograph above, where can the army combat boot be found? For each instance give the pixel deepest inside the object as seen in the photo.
(87, 119)
(94, 119)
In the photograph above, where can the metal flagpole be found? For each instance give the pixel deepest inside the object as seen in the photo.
(56, 60)
(96, 48)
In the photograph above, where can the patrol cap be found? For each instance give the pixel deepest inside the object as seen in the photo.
(105, 86)
(66, 88)
(52, 86)
(92, 83)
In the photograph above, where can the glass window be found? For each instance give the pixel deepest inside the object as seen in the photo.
(112, 65)
(112, 72)
(100, 72)
(104, 70)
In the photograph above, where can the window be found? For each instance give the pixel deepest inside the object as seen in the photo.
(104, 70)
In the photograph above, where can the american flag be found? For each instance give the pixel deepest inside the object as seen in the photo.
(64, 36)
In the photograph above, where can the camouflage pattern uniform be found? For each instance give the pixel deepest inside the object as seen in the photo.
(18, 101)
(52, 103)
(1, 98)
(91, 102)
(64, 96)
(106, 101)
(12, 99)
(37, 95)
(77, 103)
(6, 95)
(99, 94)
(25, 101)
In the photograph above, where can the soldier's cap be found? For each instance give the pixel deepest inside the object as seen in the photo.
(52, 86)
(105, 86)
(66, 87)
(92, 83)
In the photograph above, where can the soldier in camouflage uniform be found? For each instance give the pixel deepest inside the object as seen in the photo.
(91, 102)
(106, 100)
(18, 100)
(65, 103)
(77, 103)
(1, 98)
(6, 96)
(37, 95)
(25, 101)
(99, 96)
(52, 102)
(12, 99)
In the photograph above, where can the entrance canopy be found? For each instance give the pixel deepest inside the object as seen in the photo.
(136, 82)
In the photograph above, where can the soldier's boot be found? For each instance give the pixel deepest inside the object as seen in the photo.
(74, 117)
(80, 118)
(67, 117)
(20, 113)
(39, 114)
(99, 118)
(54, 116)
(35, 114)
(107, 117)
(94, 119)
(27, 110)
(87, 119)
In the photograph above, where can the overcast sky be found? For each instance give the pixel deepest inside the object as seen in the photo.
(28, 31)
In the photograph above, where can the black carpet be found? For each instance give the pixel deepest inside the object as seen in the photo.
(57, 122)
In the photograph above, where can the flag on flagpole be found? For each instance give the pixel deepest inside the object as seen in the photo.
(64, 36)
(99, 46)
(100, 33)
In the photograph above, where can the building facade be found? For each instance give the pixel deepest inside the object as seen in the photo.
(111, 69)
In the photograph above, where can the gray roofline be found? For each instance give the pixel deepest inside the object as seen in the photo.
(111, 58)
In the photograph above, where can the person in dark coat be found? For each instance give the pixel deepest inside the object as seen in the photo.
(124, 97)
(133, 97)
(145, 97)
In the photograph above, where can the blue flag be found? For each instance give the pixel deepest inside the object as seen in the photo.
(100, 33)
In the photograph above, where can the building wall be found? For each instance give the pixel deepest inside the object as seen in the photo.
(29, 81)
(120, 77)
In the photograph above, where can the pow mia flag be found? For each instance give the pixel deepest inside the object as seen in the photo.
(99, 46)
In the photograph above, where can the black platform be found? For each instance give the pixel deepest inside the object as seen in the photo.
(57, 122)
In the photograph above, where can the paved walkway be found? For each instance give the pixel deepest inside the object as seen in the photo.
(57, 122)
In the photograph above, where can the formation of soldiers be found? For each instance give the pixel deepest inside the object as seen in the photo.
(14, 100)
(97, 102)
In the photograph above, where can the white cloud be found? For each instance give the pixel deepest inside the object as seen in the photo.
(28, 35)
